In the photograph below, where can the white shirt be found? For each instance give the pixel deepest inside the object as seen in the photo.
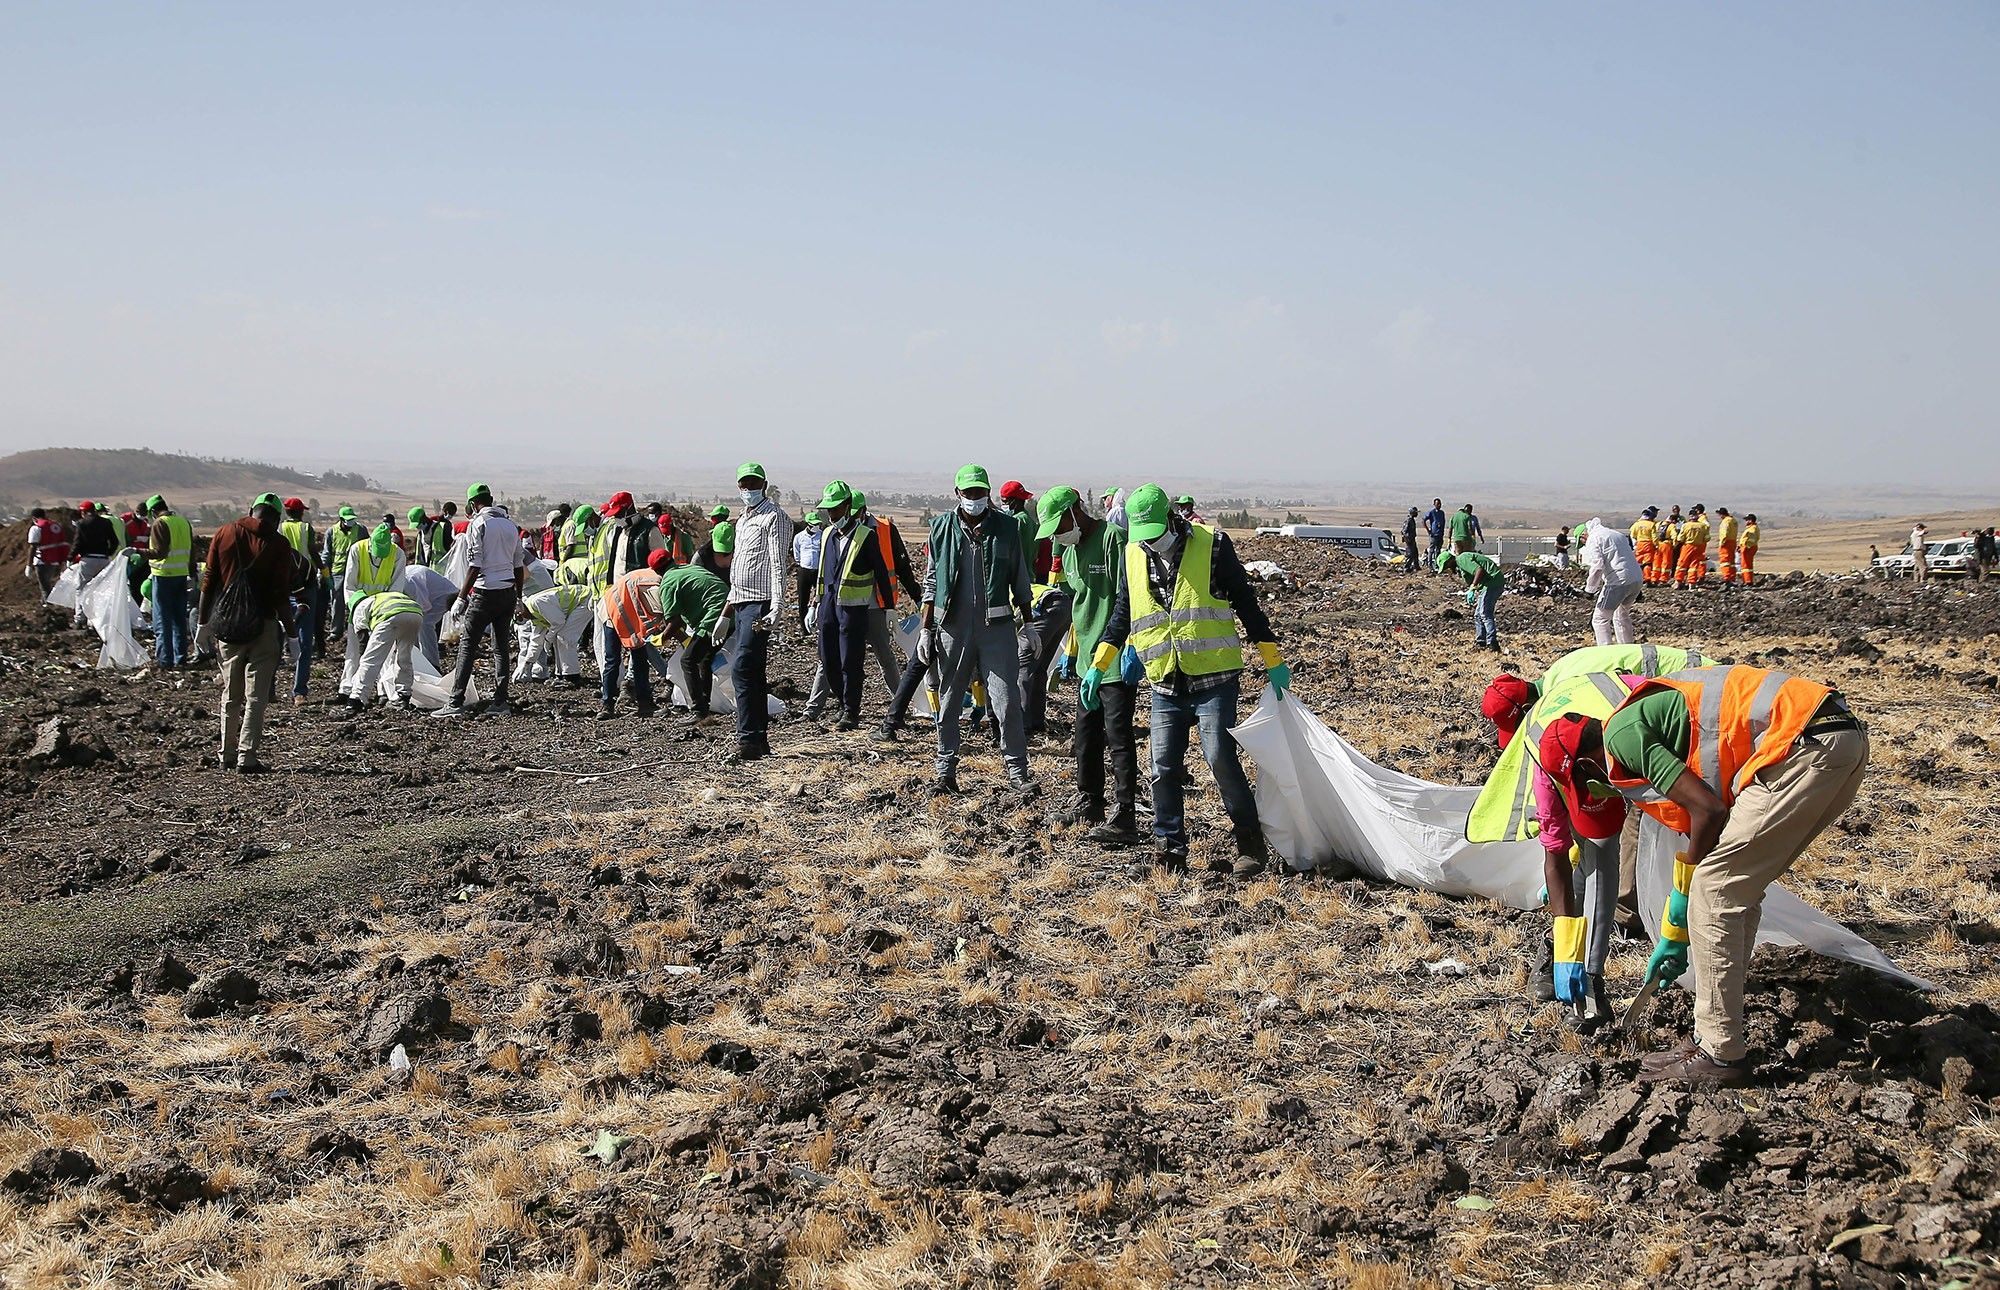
(805, 549)
(430, 589)
(1917, 537)
(493, 547)
(763, 544)
(1608, 558)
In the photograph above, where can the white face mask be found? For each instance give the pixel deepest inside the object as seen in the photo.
(1069, 536)
(751, 496)
(1165, 543)
(974, 506)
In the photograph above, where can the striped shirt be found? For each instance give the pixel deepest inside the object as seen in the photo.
(763, 554)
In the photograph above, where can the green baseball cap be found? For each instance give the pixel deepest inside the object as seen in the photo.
(1445, 560)
(750, 468)
(723, 538)
(836, 494)
(347, 512)
(477, 491)
(972, 477)
(418, 515)
(583, 514)
(859, 498)
(1053, 508)
(1581, 532)
(1146, 511)
(155, 502)
(719, 513)
(267, 499)
(814, 517)
(1184, 500)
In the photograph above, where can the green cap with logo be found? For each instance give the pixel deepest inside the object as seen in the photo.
(751, 470)
(267, 499)
(1053, 509)
(836, 494)
(347, 512)
(723, 538)
(477, 491)
(1146, 512)
(719, 513)
(814, 517)
(155, 503)
(1445, 560)
(972, 477)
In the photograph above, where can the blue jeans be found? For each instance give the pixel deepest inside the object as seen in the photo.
(1484, 630)
(843, 652)
(170, 616)
(615, 655)
(302, 641)
(1214, 712)
(749, 659)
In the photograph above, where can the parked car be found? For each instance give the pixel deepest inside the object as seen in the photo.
(1951, 558)
(1367, 543)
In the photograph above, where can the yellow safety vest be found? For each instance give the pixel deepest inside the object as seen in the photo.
(857, 587)
(299, 534)
(1196, 635)
(1585, 681)
(372, 576)
(180, 548)
(568, 597)
(382, 606)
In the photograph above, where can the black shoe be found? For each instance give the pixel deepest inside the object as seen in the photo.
(1542, 978)
(644, 711)
(607, 710)
(226, 761)
(1171, 855)
(945, 785)
(848, 723)
(1024, 784)
(885, 734)
(500, 707)
(1118, 832)
(750, 750)
(250, 766)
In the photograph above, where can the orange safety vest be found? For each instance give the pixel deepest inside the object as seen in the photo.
(625, 608)
(1740, 720)
(888, 563)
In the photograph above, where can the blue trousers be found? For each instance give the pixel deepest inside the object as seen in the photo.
(170, 616)
(302, 641)
(1212, 712)
(1484, 630)
(843, 652)
(750, 659)
(615, 655)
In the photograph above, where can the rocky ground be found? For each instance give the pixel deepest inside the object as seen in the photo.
(533, 1000)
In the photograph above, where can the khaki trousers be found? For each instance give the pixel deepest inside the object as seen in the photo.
(1775, 818)
(247, 673)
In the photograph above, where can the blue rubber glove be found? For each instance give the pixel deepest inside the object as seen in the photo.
(1281, 678)
(1570, 983)
(1065, 667)
(1086, 692)
(1669, 961)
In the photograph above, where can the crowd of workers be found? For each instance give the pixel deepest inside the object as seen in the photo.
(1744, 765)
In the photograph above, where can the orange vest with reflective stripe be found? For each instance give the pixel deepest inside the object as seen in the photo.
(888, 563)
(626, 610)
(1740, 720)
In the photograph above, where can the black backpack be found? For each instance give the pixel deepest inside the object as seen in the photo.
(238, 618)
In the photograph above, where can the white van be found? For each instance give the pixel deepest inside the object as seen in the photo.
(1364, 543)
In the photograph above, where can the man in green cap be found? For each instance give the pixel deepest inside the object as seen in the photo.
(170, 550)
(1093, 562)
(717, 514)
(896, 558)
(577, 533)
(1482, 591)
(496, 561)
(373, 567)
(1183, 594)
(431, 537)
(855, 579)
(346, 532)
(247, 625)
(756, 613)
(978, 581)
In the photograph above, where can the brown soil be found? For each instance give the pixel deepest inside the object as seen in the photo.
(671, 1022)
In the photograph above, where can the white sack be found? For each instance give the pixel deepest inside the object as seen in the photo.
(721, 695)
(63, 594)
(907, 633)
(1318, 799)
(428, 687)
(109, 609)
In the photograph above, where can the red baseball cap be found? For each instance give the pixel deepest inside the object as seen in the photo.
(666, 521)
(619, 504)
(1014, 491)
(1506, 703)
(87, 506)
(659, 561)
(1562, 743)
(294, 504)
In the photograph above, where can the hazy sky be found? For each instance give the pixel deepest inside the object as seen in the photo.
(1386, 241)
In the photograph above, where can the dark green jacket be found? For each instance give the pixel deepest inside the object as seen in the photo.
(1009, 580)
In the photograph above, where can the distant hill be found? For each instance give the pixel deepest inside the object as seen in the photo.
(124, 475)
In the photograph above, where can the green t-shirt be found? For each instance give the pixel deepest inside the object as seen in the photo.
(1471, 564)
(1461, 526)
(693, 597)
(1649, 737)
(1094, 569)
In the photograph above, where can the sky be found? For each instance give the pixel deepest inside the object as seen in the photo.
(1289, 241)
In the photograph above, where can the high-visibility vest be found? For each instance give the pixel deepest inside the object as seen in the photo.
(1196, 635)
(575, 542)
(1740, 720)
(886, 546)
(1644, 532)
(379, 608)
(1694, 533)
(180, 548)
(300, 534)
(600, 557)
(1583, 681)
(565, 597)
(55, 543)
(372, 576)
(575, 570)
(340, 542)
(1726, 530)
(857, 586)
(625, 608)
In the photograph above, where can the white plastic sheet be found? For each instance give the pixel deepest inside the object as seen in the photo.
(108, 607)
(721, 695)
(428, 687)
(907, 632)
(1319, 799)
(63, 594)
